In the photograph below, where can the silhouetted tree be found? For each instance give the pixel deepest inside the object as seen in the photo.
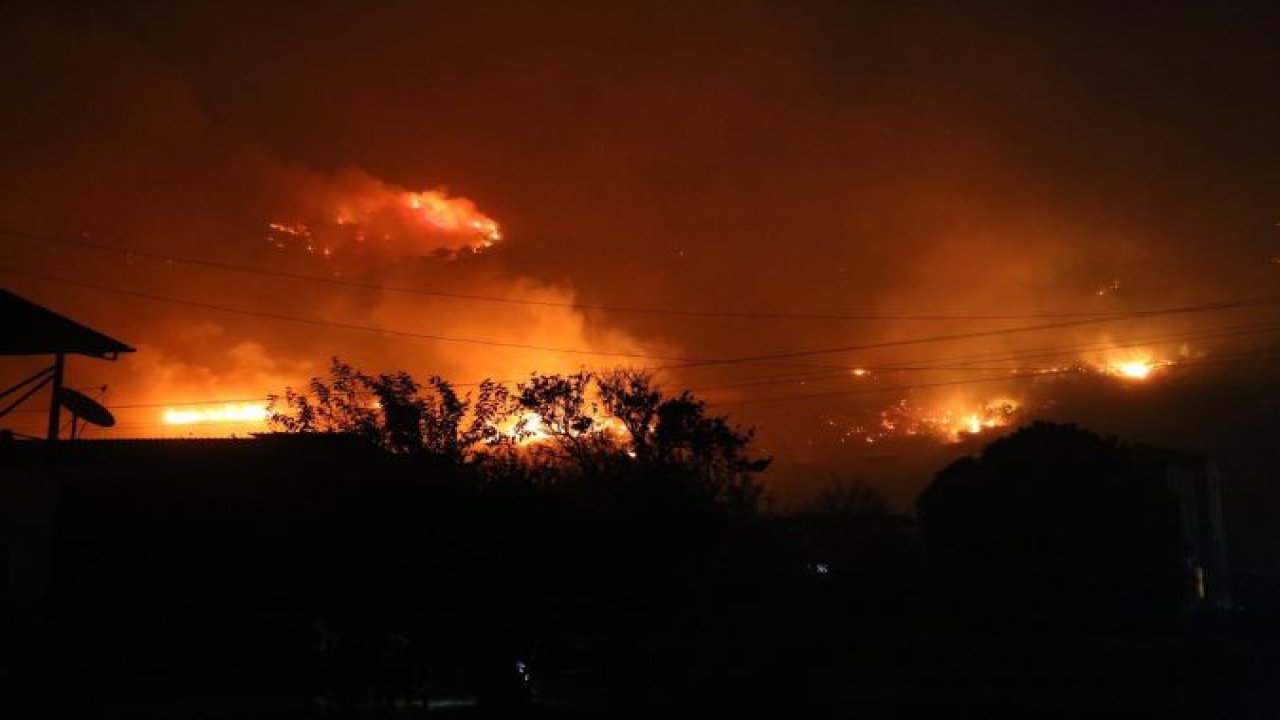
(677, 434)
(1053, 522)
(609, 424)
(402, 411)
(454, 426)
(338, 405)
(561, 409)
(392, 411)
(631, 396)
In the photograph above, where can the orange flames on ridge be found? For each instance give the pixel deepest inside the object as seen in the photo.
(953, 421)
(454, 215)
(950, 423)
(358, 209)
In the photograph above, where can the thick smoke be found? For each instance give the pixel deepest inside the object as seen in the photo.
(113, 149)
(818, 158)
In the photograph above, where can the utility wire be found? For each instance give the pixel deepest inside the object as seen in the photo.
(844, 372)
(621, 309)
(878, 390)
(328, 323)
(1057, 351)
(678, 362)
(1237, 357)
(765, 381)
(1189, 309)
(946, 383)
(965, 363)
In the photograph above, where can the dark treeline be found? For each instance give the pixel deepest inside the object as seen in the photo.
(389, 558)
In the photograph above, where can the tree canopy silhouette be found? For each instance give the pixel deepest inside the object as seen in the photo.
(1054, 521)
(612, 422)
(394, 411)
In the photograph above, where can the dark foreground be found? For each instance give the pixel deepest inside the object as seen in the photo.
(791, 661)
(370, 587)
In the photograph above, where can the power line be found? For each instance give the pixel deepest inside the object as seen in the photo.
(870, 372)
(750, 401)
(1055, 351)
(679, 362)
(967, 381)
(1236, 357)
(265, 399)
(895, 388)
(960, 364)
(329, 323)
(621, 309)
(684, 362)
(843, 371)
(1190, 309)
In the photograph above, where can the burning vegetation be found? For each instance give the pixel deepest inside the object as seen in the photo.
(945, 423)
(366, 215)
(579, 418)
(316, 232)
(1025, 390)
(513, 416)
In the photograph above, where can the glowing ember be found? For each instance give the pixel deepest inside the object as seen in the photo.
(228, 413)
(296, 229)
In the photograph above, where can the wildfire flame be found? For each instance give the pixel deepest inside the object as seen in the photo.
(1137, 365)
(1136, 370)
(949, 424)
(227, 413)
(529, 430)
(361, 210)
(453, 215)
(953, 424)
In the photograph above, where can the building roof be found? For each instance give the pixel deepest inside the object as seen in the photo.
(31, 329)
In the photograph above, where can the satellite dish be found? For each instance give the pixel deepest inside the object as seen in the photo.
(85, 408)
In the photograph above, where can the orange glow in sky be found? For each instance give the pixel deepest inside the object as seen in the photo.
(230, 412)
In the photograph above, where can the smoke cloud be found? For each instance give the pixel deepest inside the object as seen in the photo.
(761, 159)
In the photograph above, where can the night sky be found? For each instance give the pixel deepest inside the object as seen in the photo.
(907, 161)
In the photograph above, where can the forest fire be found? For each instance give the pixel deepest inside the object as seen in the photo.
(453, 215)
(383, 228)
(595, 359)
(528, 430)
(1135, 366)
(952, 424)
(1136, 370)
(363, 211)
(948, 424)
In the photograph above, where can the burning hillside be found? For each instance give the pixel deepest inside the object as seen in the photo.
(826, 236)
(357, 213)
